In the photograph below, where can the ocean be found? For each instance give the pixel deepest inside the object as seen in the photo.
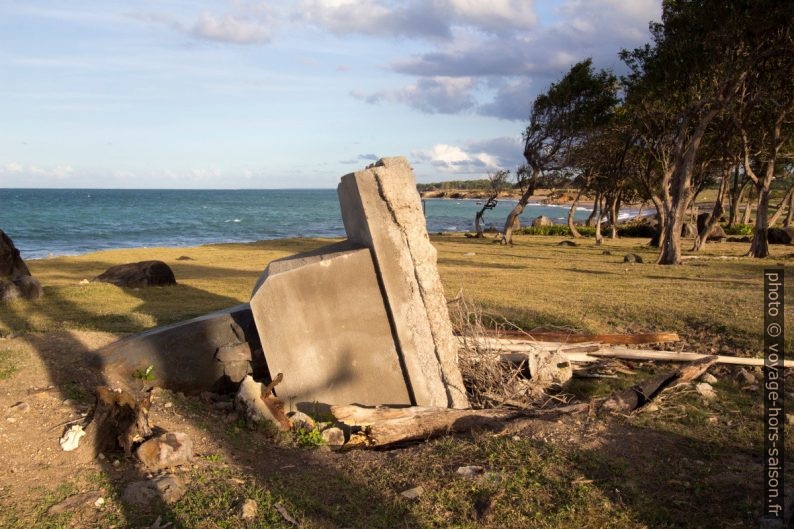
(50, 222)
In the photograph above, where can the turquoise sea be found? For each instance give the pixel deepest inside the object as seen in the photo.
(45, 222)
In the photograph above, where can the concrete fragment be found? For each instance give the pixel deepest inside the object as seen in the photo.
(382, 211)
(413, 493)
(170, 449)
(324, 325)
(709, 378)
(705, 389)
(250, 402)
(206, 353)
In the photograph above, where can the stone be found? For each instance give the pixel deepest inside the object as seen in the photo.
(716, 234)
(70, 440)
(550, 368)
(780, 235)
(168, 489)
(247, 509)
(190, 356)
(382, 211)
(413, 493)
(790, 418)
(11, 263)
(138, 275)
(708, 378)
(170, 449)
(541, 221)
(334, 437)
(75, 502)
(324, 325)
(24, 287)
(300, 420)
(20, 407)
(745, 376)
(249, 401)
(705, 389)
(469, 471)
(689, 230)
(632, 258)
(567, 243)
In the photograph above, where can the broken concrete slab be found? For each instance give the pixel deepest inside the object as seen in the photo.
(382, 211)
(324, 325)
(212, 352)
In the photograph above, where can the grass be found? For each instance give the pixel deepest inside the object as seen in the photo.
(684, 465)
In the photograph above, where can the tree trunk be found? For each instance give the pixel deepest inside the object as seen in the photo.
(748, 207)
(760, 246)
(783, 204)
(598, 237)
(657, 202)
(714, 217)
(736, 196)
(790, 214)
(613, 213)
(639, 212)
(507, 234)
(593, 213)
(571, 226)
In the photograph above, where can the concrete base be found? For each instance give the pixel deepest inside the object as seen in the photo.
(324, 325)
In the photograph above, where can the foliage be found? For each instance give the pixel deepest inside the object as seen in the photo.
(309, 438)
(738, 229)
(144, 374)
(482, 183)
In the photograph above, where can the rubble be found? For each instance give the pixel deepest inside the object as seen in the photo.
(170, 449)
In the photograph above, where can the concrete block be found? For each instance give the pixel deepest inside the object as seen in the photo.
(209, 353)
(382, 211)
(324, 325)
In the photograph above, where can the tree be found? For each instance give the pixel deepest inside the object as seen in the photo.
(496, 183)
(561, 117)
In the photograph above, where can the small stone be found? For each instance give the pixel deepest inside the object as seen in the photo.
(247, 509)
(745, 376)
(85, 282)
(469, 471)
(301, 421)
(334, 438)
(70, 440)
(167, 450)
(632, 258)
(168, 405)
(705, 389)
(412, 494)
(652, 407)
(73, 503)
(116, 463)
(712, 420)
(469, 253)
(68, 402)
(20, 407)
(709, 378)
(11, 420)
(516, 438)
(99, 502)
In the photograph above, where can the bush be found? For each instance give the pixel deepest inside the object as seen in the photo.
(562, 230)
(739, 229)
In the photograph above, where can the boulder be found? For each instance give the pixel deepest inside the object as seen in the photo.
(138, 275)
(213, 352)
(11, 263)
(170, 449)
(717, 233)
(145, 494)
(688, 230)
(542, 220)
(632, 258)
(381, 211)
(334, 438)
(567, 243)
(780, 235)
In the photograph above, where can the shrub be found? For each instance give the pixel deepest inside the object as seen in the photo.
(739, 229)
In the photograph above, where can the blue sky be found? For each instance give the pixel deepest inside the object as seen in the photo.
(237, 94)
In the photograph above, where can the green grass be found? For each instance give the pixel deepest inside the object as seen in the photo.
(8, 364)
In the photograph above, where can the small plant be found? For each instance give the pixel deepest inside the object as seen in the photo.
(214, 458)
(309, 438)
(144, 374)
(739, 229)
(74, 392)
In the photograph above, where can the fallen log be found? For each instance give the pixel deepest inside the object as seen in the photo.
(641, 355)
(613, 339)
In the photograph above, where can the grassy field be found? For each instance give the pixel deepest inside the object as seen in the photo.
(690, 463)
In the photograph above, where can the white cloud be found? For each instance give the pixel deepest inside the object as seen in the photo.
(474, 157)
(57, 172)
(434, 95)
(230, 28)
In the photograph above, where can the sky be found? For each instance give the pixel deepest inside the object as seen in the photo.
(251, 94)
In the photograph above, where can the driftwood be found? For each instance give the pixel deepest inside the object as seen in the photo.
(383, 426)
(521, 353)
(118, 421)
(614, 339)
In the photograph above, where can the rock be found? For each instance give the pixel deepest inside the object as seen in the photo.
(334, 438)
(567, 243)
(689, 230)
(24, 287)
(75, 502)
(541, 221)
(300, 420)
(650, 408)
(780, 235)
(99, 502)
(11, 263)
(745, 376)
(249, 401)
(708, 378)
(469, 471)
(632, 258)
(381, 210)
(20, 407)
(184, 258)
(170, 449)
(247, 509)
(168, 489)
(190, 356)
(70, 440)
(138, 275)
(550, 368)
(717, 233)
(705, 389)
(412, 494)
